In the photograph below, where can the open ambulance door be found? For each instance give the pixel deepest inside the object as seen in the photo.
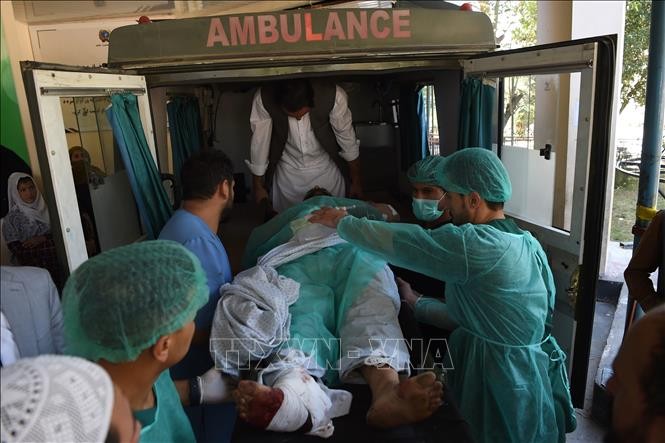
(67, 107)
(559, 190)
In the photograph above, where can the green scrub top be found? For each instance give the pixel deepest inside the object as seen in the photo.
(509, 376)
(166, 422)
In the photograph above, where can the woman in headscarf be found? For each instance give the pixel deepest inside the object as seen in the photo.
(80, 156)
(27, 227)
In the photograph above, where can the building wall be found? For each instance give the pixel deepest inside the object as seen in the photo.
(17, 47)
(11, 129)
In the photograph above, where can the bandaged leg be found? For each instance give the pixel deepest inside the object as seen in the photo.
(294, 398)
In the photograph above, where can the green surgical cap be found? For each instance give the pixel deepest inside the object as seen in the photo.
(427, 171)
(120, 302)
(479, 170)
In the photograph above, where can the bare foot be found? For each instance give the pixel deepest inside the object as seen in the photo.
(410, 401)
(257, 404)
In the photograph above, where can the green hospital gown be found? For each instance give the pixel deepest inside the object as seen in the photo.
(166, 422)
(510, 383)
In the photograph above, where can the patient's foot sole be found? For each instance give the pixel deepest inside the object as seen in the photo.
(411, 401)
(257, 404)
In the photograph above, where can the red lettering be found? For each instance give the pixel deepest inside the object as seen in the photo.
(216, 33)
(267, 29)
(374, 24)
(354, 25)
(334, 28)
(310, 35)
(242, 33)
(284, 28)
(401, 23)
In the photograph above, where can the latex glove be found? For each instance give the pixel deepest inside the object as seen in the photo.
(406, 293)
(215, 388)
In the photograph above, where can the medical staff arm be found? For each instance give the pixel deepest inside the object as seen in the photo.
(433, 312)
(209, 388)
(438, 253)
(645, 261)
(426, 309)
(261, 125)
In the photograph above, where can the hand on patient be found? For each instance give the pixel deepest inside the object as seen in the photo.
(406, 293)
(390, 215)
(328, 216)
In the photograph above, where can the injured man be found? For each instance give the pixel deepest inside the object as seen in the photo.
(310, 313)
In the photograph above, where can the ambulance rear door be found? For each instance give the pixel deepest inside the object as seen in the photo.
(558, 165)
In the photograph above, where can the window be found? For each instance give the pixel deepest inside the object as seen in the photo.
(519, 100)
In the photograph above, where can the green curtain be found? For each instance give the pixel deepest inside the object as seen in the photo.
(185, 129)
(413, 124)
(144, 178)
(476, 114)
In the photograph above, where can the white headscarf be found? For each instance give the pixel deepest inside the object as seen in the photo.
(36, 210)
(55, 398)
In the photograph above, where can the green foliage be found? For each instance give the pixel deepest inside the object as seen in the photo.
(527, 13)
(635, 52)
(514, 22)
(515, 27)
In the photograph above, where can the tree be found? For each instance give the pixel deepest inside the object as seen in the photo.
(635, 52)
(514, 25)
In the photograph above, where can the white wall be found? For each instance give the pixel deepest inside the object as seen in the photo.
(73, 43)
(590, 19)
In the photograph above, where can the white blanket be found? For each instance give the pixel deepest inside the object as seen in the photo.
(252, 316)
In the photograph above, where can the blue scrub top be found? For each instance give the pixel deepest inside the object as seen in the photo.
(192, 232)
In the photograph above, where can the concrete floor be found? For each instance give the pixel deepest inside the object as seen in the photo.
(589, 430)
(605, 341)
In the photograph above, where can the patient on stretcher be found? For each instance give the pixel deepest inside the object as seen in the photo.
(310, 312)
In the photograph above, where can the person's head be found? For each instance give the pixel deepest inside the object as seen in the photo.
(58, 398)
(316, 191)
(27, 190)
(295, 97)
(208, 176)
(427, 191)
(134, 301)
(476, 185)
(22, 191)
(638, 383)
(78, 154)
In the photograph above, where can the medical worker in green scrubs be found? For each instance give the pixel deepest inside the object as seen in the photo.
(131, 310)
(509, 375)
